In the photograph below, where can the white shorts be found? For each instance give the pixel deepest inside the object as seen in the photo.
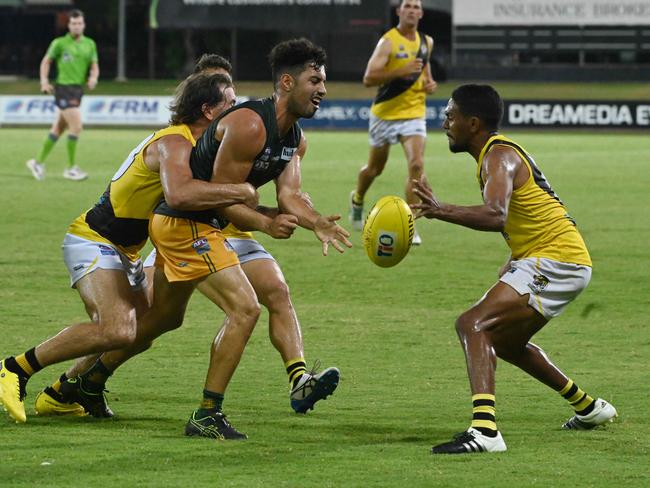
(246, 249)
(384, 132)
(550, 285)
(83, 256)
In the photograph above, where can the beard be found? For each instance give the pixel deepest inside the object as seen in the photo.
(456, 147)
(303, 111)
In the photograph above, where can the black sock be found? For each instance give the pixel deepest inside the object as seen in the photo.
(98, 373)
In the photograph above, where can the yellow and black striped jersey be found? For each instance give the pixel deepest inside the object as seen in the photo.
(538, 224)
(403, 98)
(121, 216)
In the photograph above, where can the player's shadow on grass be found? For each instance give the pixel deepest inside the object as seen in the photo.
(361, 432)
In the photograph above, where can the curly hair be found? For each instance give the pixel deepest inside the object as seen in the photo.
(294, 56)
(195, 91)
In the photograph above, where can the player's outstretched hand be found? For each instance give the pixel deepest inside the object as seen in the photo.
(282, 226)
(329, 232)
(92, 83)
(429, 204)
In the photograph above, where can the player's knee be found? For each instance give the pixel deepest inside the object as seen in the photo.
(467, 324)
(119, 334)
(277, 296)
(246, 314)
(119, 338)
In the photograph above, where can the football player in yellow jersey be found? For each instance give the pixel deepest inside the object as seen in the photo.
(548, 268)
(102, 252)
(400, 67)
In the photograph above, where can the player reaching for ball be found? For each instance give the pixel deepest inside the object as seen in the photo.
(548, 268)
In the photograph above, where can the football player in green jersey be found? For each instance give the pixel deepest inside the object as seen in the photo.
(76, 61)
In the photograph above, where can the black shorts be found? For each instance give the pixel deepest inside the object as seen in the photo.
(68, 96)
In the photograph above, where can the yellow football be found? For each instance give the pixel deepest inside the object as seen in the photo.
(388, 231)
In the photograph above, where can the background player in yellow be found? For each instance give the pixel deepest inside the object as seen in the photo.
(76, 61)
(548, 268)
(400, 67)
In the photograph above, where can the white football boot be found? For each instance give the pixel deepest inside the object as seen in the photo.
(38, 170)
(603, 412)
(469, 442)
(75, 174)
(312, 388)
(417, 240)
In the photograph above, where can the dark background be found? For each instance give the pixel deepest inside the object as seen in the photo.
(25, 33)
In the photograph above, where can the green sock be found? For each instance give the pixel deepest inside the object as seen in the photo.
(72, 149)
(211, 402)
(48, 144)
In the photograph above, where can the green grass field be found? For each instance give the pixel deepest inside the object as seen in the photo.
(390, 331)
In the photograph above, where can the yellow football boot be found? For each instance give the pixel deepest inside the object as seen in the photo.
(12, 394)
(49, 402)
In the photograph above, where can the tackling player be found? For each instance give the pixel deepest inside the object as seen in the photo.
(548, 268)
(257, 142)
(101, 248)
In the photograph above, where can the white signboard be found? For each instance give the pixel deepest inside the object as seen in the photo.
(551, 12)
(95, 110)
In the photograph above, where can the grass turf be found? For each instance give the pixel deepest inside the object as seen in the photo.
(390, 331)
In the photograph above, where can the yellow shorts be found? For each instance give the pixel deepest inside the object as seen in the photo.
(189, 250)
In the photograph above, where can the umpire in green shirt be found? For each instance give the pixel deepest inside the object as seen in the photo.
(76, 63)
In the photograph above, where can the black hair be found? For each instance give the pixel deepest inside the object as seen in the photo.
(212, 61)
(74, 13)
(195, 91)
(480, 101)
(293, 57)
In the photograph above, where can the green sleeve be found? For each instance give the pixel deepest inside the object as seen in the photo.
(54, 50)
(93, 56)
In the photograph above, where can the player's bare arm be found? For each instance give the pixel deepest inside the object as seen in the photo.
(242, 135)
(93, 76)
(430, 85)
(181, 190)
(44, 73)
(376, 73)
(499, 168)
(292, 200)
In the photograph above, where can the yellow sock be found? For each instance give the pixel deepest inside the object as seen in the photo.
(484, 414)
(295, 369)
(579, 400)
